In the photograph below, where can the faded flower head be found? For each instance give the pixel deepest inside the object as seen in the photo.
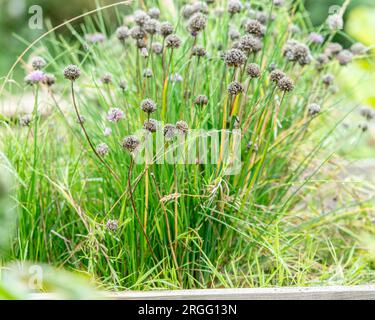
(102, 149)
(313, 109)
(316, 38)
(328, 79)
(106, 79)
(154, 13)
(25, 120)
(151, 26)
(253, 70)
(255, 28)
(335, 22)
(367, 112)
(165, 28)
(148, 106)
(123, 85)
(112, 225)
(122, 33)
(170, 131)
(235, 88)
(49, 79)
(172, 41)
(95, 37)
(72, 72)
(34, 77)
(38, 63)
(277, 75)
(157, 47)
(333, 49)
(197, 23)
(321, 61)
(234, 58)
(358, 49)
(250, 44)
(234, 6)
(115, 115)
(147, 73)
(130, 143)
(151, 125)
(344, 57)
(296, 51)
(201, 100)
(286, 84)
(107, 132)
(234, 34)
(140, 17)
(182, 127)
(199, 51)
(137, 33)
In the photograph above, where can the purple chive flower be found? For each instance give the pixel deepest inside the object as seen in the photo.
(115, 115)
(107, 131)
(316, 38)
(34, 77)
(95, 37)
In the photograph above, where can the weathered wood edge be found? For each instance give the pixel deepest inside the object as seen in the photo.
(286, 293)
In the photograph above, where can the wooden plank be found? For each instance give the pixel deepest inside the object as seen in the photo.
(286, 293)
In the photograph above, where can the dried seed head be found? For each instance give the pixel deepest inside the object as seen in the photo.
(172, 41)
(141, 17)
(335, 22)
(344, 57)
(277, 75)
(157, 47)
(250, 44)
(367, 112)
(151, 125)
(141, 43)
(38, 63)
(112, 225)
(151, 26)
(131, 143)
(333, 49)
(115, 115)
(72, 72)
(102, 149)
(358, 49)
(201, 100)
(255, 28)
(122, 33)
(295, 51)
(25, 120)
(182, 127)
(234, 58)
(234, 6)
(199, 51)
(321, 61)
(49, 79)
(294, 29)
(286, 84)
(235, 88)
(234, 34)
(253, 70)
(147, 73)
(170, 131)
(328, 79)
(106, 79)
(187, 11)
(262, 17)
(148, 106)
(137, 32)
(313, 109)
(197, 23)
(165, 28)
(272, 67)
(154, 13)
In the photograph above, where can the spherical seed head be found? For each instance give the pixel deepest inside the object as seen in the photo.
(253, 70)
(38, 63)
(286, 84)
(141, 43)
(197, 23)
(122, 33)
(313, 109)
(147, 73)
(102, 149)
(328, 79)
(187, 11)
(255, 28)
(262, 17)
(199, 51)
(277, 75)
(182, 127)
(151, 125)
(170, 131)
(235, 88)
(72, 72)
(367, 112)
(137, 32)
(272, 67)
(201, 7)
(234, 34)
(140, 17)
(250, 44)
(35, 77)
(234, 58)
(165, 28)
(358, 49)
(335, 22)
(112, 225)
(296, 51)
(25, 120)
(333, 49)
(157, 47)
(106, 79)
(344, 57)
(201, 100)
(154, 13)
(122, 85)
(148, 106)
(151, 26)
(115, 115)
(49, 79)
(130, 143)
(321, 61)
(172, 41)
(234, 6)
